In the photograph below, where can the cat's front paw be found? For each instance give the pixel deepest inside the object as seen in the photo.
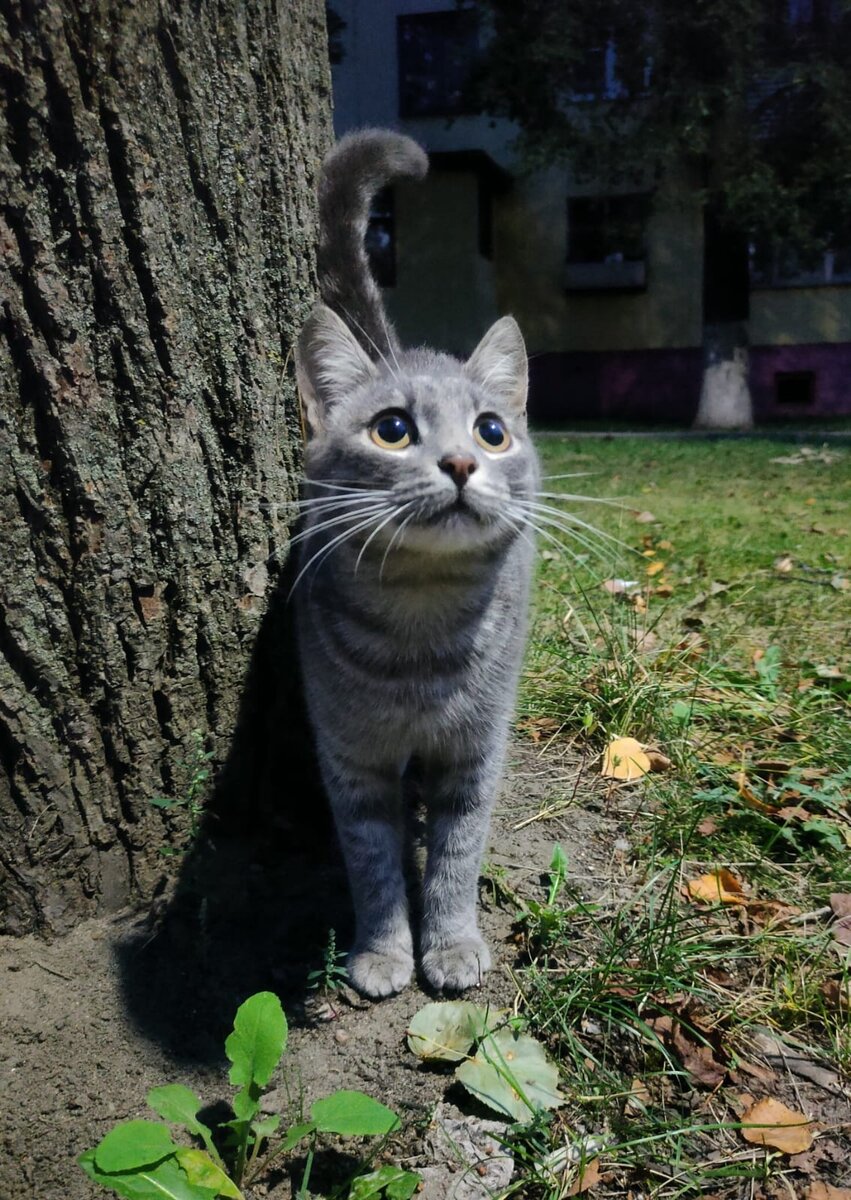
(376, 974)
(458, 966)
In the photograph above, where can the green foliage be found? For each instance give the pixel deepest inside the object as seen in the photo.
(756, 107)
(332, 975)
(192, 800)
(502, 1067)
(139, 1160)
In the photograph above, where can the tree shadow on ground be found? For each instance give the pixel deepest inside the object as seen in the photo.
(262, 884)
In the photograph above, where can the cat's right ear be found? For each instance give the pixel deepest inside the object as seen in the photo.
(330, 364)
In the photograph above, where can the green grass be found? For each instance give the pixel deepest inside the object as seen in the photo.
(734, 659)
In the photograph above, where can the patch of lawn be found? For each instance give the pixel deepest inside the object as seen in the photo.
(727, 647)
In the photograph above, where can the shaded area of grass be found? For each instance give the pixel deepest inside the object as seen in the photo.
(726, 644)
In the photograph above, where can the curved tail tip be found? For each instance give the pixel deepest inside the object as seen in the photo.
(381, 153)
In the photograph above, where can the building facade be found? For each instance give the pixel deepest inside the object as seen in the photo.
(605, 283)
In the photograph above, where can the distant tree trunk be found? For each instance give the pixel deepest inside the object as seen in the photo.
(725, 399)
(157, 169)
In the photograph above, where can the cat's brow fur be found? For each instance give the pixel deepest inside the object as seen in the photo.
(412, 589)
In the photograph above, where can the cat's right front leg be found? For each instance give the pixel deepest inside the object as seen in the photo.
(368, 816)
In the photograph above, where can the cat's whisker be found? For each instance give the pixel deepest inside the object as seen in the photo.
(596, 549)
(581, 499)
(572, 519)
(568, 475)
(544, 533)
(397, 512)
(324, 504)
(396, 534)
(330, 522)
(338, 487)
(328, 548)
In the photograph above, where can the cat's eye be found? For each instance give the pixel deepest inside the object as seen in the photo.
(392, 431)
(491, 433)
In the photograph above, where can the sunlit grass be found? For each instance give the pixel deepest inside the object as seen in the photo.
(733, 658)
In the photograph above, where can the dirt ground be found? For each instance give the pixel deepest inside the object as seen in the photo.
(89, 1023)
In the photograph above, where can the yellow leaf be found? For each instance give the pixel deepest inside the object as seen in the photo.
(655, 567)
(624, 758)
(770, 1123)
(719, 887)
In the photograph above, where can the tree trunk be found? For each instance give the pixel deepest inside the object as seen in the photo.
(725, 399)
(157, 172)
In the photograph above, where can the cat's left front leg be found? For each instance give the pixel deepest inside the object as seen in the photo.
(459, 801)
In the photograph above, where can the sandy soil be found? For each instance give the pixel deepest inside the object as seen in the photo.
(89, 1023)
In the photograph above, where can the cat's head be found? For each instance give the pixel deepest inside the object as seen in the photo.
(443, 444)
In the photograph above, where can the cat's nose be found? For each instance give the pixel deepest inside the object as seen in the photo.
(459, 466)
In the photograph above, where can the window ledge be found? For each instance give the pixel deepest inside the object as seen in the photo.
(605, 277)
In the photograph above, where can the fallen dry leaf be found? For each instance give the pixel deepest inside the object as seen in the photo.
(707, 827)
(639, 1096)
(842, 931)
(698, 1057)
(644, 518)
(771, 1123)
(624, 758)
(837, 994)
(665, 545)
(784, 564)
(588, 1177)
(720, 886)
(826, 1191)
(658, 761)
(664, 590)
(655, 567)
(619, 587)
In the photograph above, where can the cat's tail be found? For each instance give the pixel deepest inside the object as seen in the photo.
(359, 166)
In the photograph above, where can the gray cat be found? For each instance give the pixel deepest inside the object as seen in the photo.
(412, 587)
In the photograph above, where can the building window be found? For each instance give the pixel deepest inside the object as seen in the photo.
(437, 52)
(606, 242)
(380, 240)
(603, 73)
(795, 387)
(782, 266)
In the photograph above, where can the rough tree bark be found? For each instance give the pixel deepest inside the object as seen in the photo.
(157, 165)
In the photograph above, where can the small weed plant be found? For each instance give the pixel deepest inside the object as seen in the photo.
(192, 800)
(141, 1161)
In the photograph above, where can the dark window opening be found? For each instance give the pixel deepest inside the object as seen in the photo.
(380, 240)
(795, 387)
(607, 229)
(606, 243)
(437, 52)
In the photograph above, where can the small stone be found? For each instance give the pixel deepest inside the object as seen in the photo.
(341, 1037)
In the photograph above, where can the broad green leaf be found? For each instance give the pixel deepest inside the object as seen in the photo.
(200, 1169)
(512, 1075)
(294, 1135)
(246, 1103)
(392, 1182)
(265, 1127)
(133, 1144)
(255, 1048)
(163, 1181)
(558, 862)
(179, 1104)
(353, 1113)
(447, 1030)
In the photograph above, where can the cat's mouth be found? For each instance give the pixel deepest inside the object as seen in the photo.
(460, 506)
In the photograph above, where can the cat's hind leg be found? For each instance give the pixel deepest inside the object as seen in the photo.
(367, 813)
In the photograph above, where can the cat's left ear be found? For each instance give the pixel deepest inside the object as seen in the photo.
(499, 365)
(330, 365)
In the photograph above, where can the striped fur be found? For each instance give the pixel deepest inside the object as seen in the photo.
(411, 595)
